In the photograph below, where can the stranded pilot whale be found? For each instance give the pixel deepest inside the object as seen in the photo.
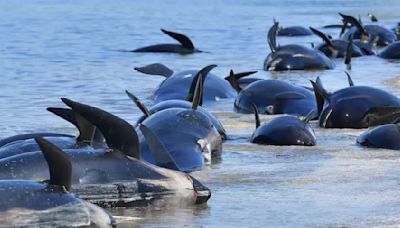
(185, 47)
(284, 130)
(26, 203)
(355, 107)
(114, 176)
(293, 56)
(385, 136)
(178, 85)
(392, 51)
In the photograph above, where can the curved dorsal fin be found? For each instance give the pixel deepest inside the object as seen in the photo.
(118, 133)
(357, 24)
(322, 35)
(309, 116)
(320, 95)
(272, 36)
(161, 156)
(60, 166)
(257, 117)
(203, 72)
(198, 93)
(184, 40)
(349, 53)
(351, 83)
(234, 77)
(155, 69)
(85, 128)
(138, 103)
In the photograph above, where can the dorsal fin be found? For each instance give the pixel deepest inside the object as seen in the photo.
(155, 69)
(349, 53)
(234, 77)
(322, 35)
(138, 103)
(161, 156)
(85, 128)
(372, 17)
(309, 116)
(198, 93)
(118, 133)
(343, 28)
(351, 83)
(184, 40)
(272, 36)
(257, 117)
(203, 72)
(357, 24)
(320, 96)
(60, 166)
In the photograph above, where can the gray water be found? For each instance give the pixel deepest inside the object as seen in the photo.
(52, 49)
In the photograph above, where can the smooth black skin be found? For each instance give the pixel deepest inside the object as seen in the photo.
(284, 130)
(179, 129)
(187, 105)
(294, 31)
(386, 136)
(339, 49)
(297, 57)
(177, 87)
(283, 96)
(351, 108)
(392, 51)
(366, 48)
(385, 36)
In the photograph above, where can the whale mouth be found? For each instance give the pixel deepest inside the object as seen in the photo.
(201, 193)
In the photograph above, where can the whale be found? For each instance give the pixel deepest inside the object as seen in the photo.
(336, 48)
(385, 136)
(392, 51)
(47, 203)
(178, 85)
(293, 31)
(284, 130)
(185, 45)
(293, 56)
(355, 107)
(372, 33)
(275, 97)
(113, 176)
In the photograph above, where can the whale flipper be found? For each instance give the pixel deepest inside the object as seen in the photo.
(161, 155)
(118, 133)
(155, 69)
(138, 103)
(322, 35)
(272, 36)
(256, 116)
(351, 83)
(349, 52)
(232, 78)
(184, 40)
(311, 115)
(203, 72)
(60, 166)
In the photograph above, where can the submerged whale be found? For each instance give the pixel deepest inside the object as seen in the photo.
(26, 203)
(356, 107)
(386, 136)
(185, 47)
(284, 130)
(294, 31)
(113, 176)
(293, 56)
(392, 51)
(178, 85)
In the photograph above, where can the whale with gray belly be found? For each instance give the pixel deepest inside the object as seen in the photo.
(26, 203)
(293, 56)
(114, 176)
(185, 47)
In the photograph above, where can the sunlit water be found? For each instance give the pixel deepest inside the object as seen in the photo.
(53, 49)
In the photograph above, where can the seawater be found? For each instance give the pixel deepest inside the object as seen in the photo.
(77, 49)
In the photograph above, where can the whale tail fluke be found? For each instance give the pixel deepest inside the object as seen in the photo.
(234, 77)
(183, 39)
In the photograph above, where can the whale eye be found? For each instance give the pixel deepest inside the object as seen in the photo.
(270, 109)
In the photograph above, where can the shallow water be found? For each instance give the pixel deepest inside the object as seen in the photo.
(53, 49)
